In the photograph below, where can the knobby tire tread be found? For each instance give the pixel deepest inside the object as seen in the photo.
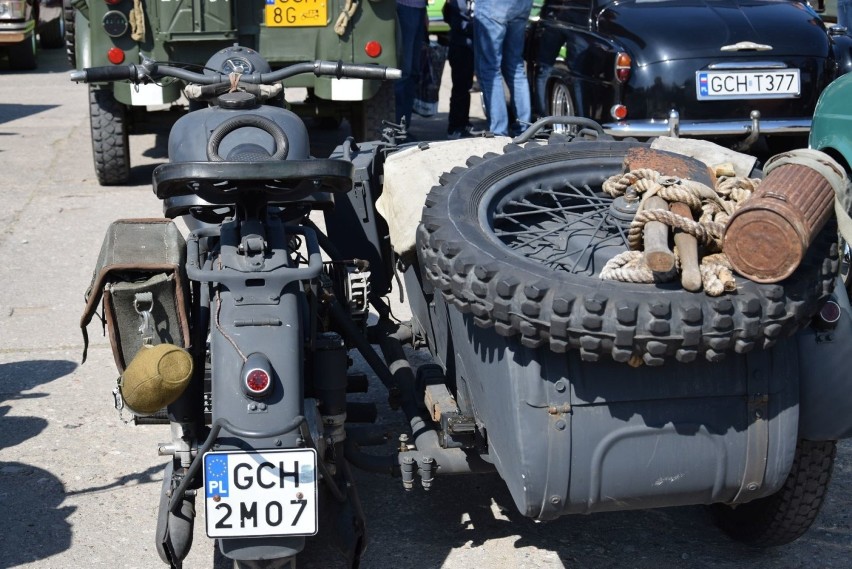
(366, 116)
(70, 39)
(786, 515)
(520, 297)
(109, 137)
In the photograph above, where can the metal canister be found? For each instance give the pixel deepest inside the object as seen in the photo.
(768, 236)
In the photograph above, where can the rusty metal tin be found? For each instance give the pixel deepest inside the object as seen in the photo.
(766, 239)
(669, 164)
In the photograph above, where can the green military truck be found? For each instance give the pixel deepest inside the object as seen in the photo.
(104, 32)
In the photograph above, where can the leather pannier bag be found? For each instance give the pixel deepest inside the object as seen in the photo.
(141, 283)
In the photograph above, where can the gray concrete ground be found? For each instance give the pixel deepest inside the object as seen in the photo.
(78, 487)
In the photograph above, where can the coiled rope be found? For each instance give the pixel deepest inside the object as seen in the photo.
(712, 207)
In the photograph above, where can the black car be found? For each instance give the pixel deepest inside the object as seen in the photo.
(717, 69)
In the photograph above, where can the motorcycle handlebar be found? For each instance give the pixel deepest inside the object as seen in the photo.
(151, 70)
(106, 73)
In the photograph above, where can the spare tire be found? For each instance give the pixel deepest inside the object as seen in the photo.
(519, 239)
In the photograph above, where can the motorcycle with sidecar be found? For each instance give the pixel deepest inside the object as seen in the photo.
(585, 395)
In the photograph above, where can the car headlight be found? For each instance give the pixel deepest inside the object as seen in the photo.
(12, 9)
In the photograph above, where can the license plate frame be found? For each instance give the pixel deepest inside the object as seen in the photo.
(295, 13)
(720, 85)
(264, 493)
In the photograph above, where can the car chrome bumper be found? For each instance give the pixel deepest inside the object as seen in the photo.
(673, 126)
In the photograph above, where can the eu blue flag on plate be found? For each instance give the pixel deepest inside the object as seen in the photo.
(216, 475)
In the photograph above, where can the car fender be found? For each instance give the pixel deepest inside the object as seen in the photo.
(82, 40)
(842, 48)
(832, 121)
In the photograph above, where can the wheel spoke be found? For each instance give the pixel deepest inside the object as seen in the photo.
(563, 227)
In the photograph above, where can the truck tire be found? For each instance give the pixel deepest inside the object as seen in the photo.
(22, 56)
(52, 33)
(366, 116)
(110, 146)
(489, 252)
(69, 17)
(786, 515)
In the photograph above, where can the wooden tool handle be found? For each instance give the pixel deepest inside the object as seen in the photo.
(658, 256)
(687, 251)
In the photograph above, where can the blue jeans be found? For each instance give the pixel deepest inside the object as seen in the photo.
(498, 38)
(412, 35)
(844, 11)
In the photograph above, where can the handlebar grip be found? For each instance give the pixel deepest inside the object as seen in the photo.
(358, 71)
(105, 73)
(380, 72)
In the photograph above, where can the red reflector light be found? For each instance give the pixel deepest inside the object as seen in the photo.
(373, 48)
(830, 312)
(622, 66)
(115, 55)
(113, 2)
(618, 112)
(257, 380)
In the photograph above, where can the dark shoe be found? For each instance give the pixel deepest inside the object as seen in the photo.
(466, 132)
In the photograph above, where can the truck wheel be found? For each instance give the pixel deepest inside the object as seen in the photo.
(69, 16)
(519, 240)
(366, 116)
(109, 137)
(22, 56)
(786, 515)
(52, 33)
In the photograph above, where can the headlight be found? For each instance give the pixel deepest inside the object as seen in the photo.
(12, 9)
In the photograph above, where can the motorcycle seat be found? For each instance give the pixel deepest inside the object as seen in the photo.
(280, 181)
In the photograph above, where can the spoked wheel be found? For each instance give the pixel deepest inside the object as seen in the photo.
(567, 228)
(519, 241)
(561, 103)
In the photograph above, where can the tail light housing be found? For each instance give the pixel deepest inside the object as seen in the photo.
(618, 112)
(828, 316)
(256, 376)
(623, 63)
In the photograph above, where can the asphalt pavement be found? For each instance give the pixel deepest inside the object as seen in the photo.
(78, 487)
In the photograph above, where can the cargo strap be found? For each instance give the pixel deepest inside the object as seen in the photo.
(344, 17)
(757, 437)
(137, 21)
(143, 303)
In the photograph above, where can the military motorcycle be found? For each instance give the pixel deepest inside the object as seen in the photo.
(237, 334)
(585, 395)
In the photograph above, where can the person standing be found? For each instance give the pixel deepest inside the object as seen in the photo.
(411, 15)
(498, 44)
(844, 13)
(459, 15)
